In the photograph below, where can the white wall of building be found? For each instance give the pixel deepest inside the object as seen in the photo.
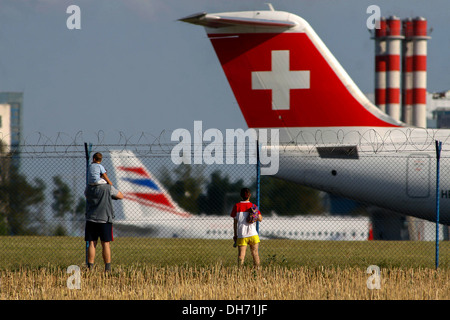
(5, 124)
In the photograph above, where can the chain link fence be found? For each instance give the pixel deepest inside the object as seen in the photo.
(180, 213)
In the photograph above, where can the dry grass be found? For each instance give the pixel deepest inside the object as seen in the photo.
(218, 282)
(35, 268)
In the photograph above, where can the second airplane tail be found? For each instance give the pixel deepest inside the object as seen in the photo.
(146, 201)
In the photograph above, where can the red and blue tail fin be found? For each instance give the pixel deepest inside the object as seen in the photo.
(145, 197)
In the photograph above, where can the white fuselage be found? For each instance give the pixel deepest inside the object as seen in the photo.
(392, 168)
(320, 227)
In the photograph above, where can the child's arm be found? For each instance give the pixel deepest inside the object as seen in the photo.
(105, 176)
(233, 215)
(235, 231)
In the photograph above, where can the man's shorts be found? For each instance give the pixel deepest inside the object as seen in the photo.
(248, 241)
(95, 230)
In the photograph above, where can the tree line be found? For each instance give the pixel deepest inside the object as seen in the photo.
(22, 208)
(216, 195)
(23, 203)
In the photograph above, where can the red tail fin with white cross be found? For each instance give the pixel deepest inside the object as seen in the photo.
(282, 74)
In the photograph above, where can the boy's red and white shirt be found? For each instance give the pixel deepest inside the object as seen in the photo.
(240, 213)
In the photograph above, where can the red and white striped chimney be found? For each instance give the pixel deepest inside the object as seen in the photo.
(380, 65)
(420, 39)
(407, 72)
(393, 51)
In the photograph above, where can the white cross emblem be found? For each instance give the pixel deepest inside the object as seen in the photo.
(280, 80)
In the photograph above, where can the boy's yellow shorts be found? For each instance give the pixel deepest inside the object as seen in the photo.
(248, 241)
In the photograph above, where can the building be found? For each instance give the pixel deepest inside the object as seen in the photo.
(438, 110)
(15, 102)
(11, 123)
(5, 125)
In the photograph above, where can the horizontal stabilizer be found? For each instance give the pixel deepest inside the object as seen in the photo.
(218, 21)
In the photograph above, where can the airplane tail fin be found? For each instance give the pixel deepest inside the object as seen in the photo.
(283, 75)
(145, 198)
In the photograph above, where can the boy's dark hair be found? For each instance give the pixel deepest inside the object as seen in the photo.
(245, 193)
(97, 156)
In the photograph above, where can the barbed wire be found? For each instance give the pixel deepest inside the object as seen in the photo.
(304, 141)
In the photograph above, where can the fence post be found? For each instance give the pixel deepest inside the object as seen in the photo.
(87, 153)
(438, 157)
(258, 181)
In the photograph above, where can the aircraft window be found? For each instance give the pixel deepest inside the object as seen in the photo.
(296, 233)
(353, 234)
(326, 233)
(207, 231)
(320, 233)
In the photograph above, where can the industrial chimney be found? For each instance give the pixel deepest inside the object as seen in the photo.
(419, 63)
(400, 69)
(407, 72)
(393, 51)
(380, 65)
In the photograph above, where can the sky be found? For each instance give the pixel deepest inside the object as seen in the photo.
(133, 68)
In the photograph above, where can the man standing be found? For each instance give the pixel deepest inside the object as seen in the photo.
(99, 220)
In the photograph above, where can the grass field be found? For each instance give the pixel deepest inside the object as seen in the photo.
(178, 269)
(34, 252)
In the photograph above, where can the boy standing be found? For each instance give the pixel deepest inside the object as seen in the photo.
(245, 233)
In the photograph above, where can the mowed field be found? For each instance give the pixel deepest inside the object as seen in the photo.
(35, 268)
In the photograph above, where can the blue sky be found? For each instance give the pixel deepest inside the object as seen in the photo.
(134, 68)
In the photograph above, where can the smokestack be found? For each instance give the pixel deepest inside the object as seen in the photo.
(420, 72)
(380, 65)
(407, 72)
(393, 51)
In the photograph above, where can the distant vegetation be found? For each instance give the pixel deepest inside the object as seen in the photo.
(22, 202)
(216, 195)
